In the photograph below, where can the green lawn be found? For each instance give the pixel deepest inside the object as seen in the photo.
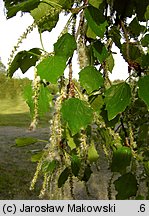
(15, 112)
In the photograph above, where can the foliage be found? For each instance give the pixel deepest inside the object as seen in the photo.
(12, 88)
(92, 113)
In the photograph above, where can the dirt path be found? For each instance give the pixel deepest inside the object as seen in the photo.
(16, 169)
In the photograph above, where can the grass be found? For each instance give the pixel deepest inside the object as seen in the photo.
(15, 112)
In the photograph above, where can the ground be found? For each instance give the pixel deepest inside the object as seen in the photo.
(16, 168)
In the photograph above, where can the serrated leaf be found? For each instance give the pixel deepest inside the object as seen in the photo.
(42, 10)
(51, 68)
(126, 186)
(110, 62)
(25, 6)
(24, 141)
(90, 79)
(77, 114)
(117, 98)
(143, 90)
(49, 166)
(75, 164)
(121, 159)
(63, 177)
(96, 21)
(100, 51)
(92, 153)
(24, 60)
(145, 41)
(65, 46)
(36, 157)
(87, 173)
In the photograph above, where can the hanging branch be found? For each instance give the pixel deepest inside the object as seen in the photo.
(125, 133)
(70, 86)
(36, 91)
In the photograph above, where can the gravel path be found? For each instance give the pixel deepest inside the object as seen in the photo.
(16, 169)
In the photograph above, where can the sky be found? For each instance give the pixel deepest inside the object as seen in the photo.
(12, 29)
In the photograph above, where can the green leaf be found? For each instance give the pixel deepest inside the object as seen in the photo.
(97, 103)
(51, 68)
(87, 173)
(42, 10)
(65, 46)
(65, 4)
(24, 60)
(114, 33)
(24, 141)
(123, 8)
(121, 159)
(75, 164)
(44, 100)
(92, 153)
(36, 157)
(96, 21)
(49, 166)
(141, 8)
(95, 3)
(147, 13)
(70, 140)
(135, 28)
(90, 33)
(63, 177)
(134, 52)
(28, 97)
(143, 90)
(126, 186)
(117, 98)
(77, 114)
(145, 41)
(145, 60)
(25, 6)
(90, 79)
(110, 62)
(100, 51)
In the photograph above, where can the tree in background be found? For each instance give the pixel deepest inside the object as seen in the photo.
(92, 113)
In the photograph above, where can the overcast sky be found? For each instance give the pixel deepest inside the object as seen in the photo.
(11, 29)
